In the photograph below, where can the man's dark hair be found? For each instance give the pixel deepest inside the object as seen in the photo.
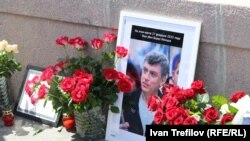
(158, 58)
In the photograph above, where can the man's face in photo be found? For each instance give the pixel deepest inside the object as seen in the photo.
(151, 78)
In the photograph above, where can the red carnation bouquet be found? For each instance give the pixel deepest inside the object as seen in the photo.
(84, 82)
(193, 106)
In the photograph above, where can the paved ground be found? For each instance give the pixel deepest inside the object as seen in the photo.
(24, 130)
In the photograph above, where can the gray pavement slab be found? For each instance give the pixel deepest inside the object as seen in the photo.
(25, 130)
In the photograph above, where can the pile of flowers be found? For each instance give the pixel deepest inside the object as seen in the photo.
(82, 82)
(193, 106)
(8, 64)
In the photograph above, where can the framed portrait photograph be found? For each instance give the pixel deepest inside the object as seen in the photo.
(32, 105)
(161, 50)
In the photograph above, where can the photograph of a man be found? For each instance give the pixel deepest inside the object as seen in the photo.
(154, 74)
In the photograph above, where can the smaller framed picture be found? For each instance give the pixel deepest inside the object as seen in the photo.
(32, 105)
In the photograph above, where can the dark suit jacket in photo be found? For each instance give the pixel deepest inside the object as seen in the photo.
(131, 111)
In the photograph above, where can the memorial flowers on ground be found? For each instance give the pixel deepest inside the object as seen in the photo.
(8, 62)
(194, 106)
(8, 65)
(82, 82)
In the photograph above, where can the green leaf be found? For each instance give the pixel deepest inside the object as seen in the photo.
(203, 98)
(218, 101)
(232, 109)
(229, 123)
(114, 109)
(111, 97)
(37, 132)
(191, 104)
(70, 102)
(202, 105)
(45, 102)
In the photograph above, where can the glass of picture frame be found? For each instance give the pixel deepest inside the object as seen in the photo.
(142, 33)
(42, 111)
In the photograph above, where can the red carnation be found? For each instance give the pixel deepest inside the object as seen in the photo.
(43, 90)
(97, 43)
(110, 74)
(189, 93)
(120, 75)
(226, 118)
(47, 74)
(78, 73)
(237, 95)
(169, 101)
(198, 87)
(121, 51)
(190, 121)
(153, 103)
(124, 85)
(29, 87)
(79, 95)
(62, 41)
(178, 120)
(179, 96)
(159, 116)
(83, 84)
(211, 115)
(171, 113)
(109, 37)
(36, 79)
(88, 78)
(68, 84)
(34, 98)
(167, 88)
(59, 66)
(78, 43)
(174, 90)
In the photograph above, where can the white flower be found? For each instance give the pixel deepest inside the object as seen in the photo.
(3, 45)
(207, 106)
(15, 48)
(8, 48)
(197, 117)
(224, 109)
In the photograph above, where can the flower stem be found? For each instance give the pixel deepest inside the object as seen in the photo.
(106, 83)
(106, 46)
(115, 61)
(66, 53)
(78, 53)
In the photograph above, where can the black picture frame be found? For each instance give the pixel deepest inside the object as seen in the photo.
(40, 111)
